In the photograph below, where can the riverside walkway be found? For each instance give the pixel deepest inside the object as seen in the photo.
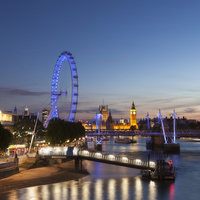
(77, 154)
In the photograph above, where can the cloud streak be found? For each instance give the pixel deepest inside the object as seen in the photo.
(20, 92)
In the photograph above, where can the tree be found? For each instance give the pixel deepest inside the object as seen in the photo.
(23, 129)
(59, 131)
(5, 138)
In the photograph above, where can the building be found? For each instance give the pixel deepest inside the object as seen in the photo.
(8, 118)
(26, 115)
(133, 114)
(104, 111)
(109, 124)
(45, 114)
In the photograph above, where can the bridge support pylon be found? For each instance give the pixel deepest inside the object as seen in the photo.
(78, 164)
(157, 143)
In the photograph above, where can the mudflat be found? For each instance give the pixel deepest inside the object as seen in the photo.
(41, 176)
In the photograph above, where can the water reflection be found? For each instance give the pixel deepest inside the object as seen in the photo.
(98, 189)
(138, 188)
(45, 192)
(65, 189)
(32, 193)
(152, 190)
(86, 191)
(171, 192)
(57, 191)
(74, 190)
(111, 189)
(125, 188)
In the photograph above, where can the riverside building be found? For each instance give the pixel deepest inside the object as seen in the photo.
(109, 124)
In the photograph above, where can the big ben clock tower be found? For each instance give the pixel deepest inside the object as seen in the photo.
(133, 113)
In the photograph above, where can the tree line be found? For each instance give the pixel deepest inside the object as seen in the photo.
(57, 132)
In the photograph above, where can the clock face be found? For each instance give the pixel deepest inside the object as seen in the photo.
(134, 113)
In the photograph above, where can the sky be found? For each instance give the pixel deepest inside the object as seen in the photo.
(141, 51)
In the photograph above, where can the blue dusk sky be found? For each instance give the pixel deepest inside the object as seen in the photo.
(146, 51)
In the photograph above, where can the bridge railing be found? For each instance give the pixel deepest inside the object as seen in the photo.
(75, 151)
(49, 151)
(114, 158)
(58, 151)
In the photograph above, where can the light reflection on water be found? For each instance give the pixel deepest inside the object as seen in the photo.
(152, 190)
(111, 189)
(115, 182)
(138, 189)
(98, 189)
(125, 188)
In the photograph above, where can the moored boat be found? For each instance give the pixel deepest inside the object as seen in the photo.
(166, 172)
(123, 140)
(105, 139)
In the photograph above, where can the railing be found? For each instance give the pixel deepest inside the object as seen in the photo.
(9, 162)
(64, 151)
(110, 157)
(141, 133)
(49, 151)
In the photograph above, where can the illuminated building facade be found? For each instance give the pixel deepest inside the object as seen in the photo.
(104, 111)
(109, 124)
(8, 118)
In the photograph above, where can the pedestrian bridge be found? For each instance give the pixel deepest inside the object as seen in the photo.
(79, 155)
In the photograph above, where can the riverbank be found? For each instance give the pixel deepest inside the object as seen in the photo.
(41, 176)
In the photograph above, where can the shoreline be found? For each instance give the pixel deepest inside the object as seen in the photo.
(41, 176)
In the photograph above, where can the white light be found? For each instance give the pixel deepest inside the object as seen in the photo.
(152, 163)
(111, 157)
(98, 155)
(58, 149)
(124, 159)
(85, 153)
(138, 161)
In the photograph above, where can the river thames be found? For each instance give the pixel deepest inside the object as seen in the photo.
(114, 182)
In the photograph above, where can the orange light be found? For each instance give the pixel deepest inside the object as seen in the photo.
(170, 162)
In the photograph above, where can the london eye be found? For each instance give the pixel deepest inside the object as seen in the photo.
(64, 97)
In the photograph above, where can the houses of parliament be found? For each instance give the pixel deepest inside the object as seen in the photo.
(109, 124)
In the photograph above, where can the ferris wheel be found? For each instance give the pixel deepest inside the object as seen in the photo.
(71, 92)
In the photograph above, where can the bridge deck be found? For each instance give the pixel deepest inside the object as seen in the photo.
(97, 157)
(124, 133)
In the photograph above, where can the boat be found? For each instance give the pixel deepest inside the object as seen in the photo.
(168, 173)
(133, 141)
(105, 139)
(123, 140)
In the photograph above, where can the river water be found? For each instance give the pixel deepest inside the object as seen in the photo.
(114, 182)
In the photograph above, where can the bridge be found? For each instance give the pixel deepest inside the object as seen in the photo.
(79, 155)
(141, 133)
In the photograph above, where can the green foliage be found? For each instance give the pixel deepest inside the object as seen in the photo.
(59, 131)
(5, 138)
(23, 129)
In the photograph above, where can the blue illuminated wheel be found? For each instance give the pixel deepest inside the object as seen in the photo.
(55, 90)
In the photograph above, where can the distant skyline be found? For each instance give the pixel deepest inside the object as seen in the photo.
(146, 52)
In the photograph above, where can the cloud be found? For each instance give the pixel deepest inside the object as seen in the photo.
(20, 92)
(190, 110)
